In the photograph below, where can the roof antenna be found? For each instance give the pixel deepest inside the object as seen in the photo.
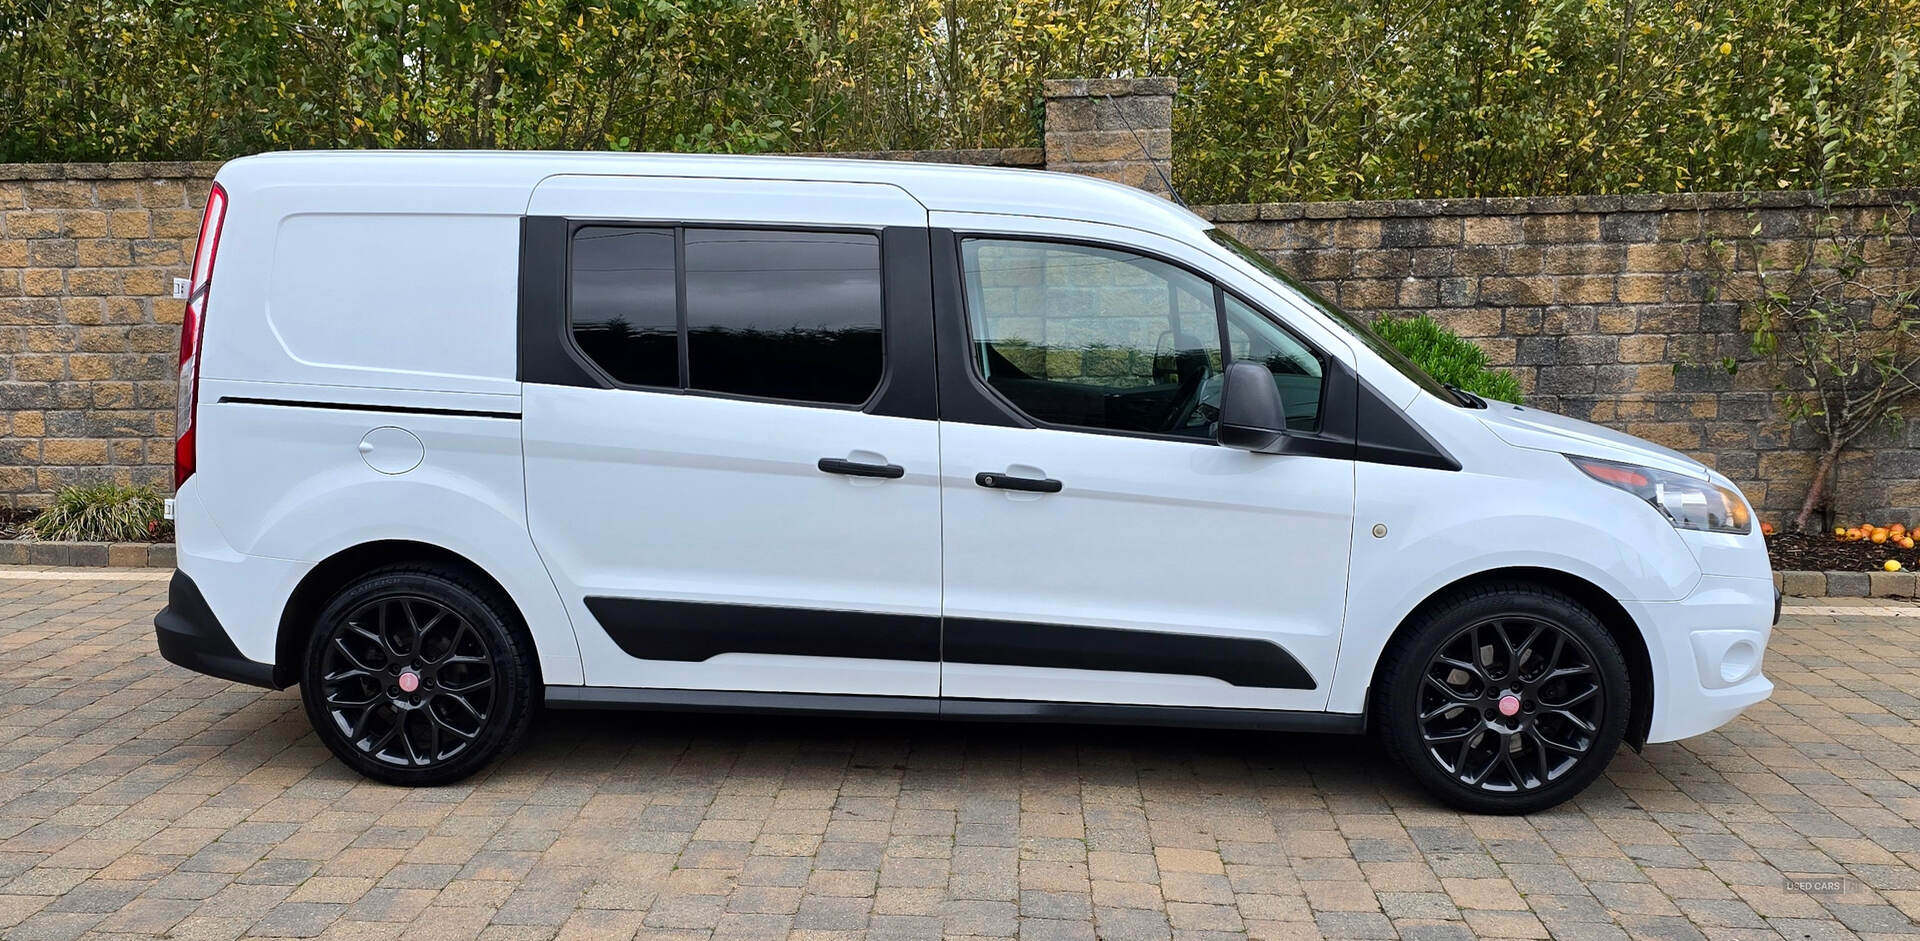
(1155, 164)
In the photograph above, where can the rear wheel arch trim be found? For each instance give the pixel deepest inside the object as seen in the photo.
(340, 569)
(1614, 616)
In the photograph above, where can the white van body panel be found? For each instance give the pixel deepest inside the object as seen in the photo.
(451, 280)
(658, 496)
(292, 485)
(400, 279)
(644, 197)
(1544, 431)
(1507, 508)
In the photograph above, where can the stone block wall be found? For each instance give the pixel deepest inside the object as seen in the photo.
(1610, 309)
(1118, 129)
(89, 332)
(1603, 305)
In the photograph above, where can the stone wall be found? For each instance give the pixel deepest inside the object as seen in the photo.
(1608, 308)
(1602, 305)
(1118, 129)
(89, 332)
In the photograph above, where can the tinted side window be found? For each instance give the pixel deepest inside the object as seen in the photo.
(1092, 337)
(622, 300)
(788, 315)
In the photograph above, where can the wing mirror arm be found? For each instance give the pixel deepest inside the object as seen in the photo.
(1252, 415)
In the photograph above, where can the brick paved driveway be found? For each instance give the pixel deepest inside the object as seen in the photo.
(137, 798)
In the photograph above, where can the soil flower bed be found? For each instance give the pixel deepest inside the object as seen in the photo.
(1821, 552)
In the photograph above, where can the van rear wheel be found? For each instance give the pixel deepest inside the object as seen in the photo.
(1505, 699)
(415, 675)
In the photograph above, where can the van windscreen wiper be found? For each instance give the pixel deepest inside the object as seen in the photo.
(1466, 398)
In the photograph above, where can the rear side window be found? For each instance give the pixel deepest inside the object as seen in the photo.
(623, 305)
(784, 315)
(766, 313)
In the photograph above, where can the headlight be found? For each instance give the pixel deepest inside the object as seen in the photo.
(1687, 503)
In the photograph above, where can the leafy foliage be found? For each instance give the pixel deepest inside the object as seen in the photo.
(103, 513)
(1839, 310)
(1447, 357)
(1280, 99)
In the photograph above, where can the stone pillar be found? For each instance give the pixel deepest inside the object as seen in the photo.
(1114, 128)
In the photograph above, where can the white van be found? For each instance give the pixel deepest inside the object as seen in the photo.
(463, 435)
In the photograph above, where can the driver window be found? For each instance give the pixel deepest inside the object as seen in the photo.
(1093, 337)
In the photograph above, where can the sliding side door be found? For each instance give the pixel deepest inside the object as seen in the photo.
(731, 459)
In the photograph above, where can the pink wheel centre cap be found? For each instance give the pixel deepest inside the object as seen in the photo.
(410, 681)
(1509, 704)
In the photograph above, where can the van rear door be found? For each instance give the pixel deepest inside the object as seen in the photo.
(730, 445)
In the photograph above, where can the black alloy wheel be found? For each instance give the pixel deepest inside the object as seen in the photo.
(1511, 704)
(418, 676)
(407, 681)
(1506, 698)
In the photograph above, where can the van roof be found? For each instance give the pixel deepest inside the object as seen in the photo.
(939, 187)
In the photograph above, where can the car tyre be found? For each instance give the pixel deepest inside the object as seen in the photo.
(419, 675)
(1503, 699)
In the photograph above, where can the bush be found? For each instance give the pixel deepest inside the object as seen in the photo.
(1279, 99)
(103, 513)
(1448, 358)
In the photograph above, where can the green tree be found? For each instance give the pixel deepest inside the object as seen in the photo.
(1280, 99)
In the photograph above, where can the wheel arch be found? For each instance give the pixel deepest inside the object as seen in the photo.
(1612, 614)
(339, 569)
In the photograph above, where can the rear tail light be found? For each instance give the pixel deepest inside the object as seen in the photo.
(193, 327)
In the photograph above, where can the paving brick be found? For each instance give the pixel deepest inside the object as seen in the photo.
(262, 835)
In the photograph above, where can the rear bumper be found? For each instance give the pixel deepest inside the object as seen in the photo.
(190, 636)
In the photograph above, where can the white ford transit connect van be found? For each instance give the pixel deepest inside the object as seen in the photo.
(461, 435)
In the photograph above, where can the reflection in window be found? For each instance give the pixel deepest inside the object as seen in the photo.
(1076, 335)
(1296, 369)
(1107, 339)
(621, 302)
(788, 315)
(771, 314)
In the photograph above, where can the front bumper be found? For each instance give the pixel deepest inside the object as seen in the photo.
(190, 636)
(1706, 651)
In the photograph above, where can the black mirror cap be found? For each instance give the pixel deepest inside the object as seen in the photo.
(1252, 415)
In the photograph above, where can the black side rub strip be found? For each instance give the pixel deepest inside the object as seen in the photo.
(929, 707)
(1242, 661)
(362, 407)
(690, 632)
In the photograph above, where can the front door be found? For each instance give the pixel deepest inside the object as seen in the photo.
(1099, 546)
(731, 458)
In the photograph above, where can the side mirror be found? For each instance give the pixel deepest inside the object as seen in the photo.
(1252, 417)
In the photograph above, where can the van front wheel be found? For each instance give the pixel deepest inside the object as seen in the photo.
(415, 676)
(1505, 699)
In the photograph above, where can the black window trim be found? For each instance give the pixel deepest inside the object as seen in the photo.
(1309, 442)
(678, 228)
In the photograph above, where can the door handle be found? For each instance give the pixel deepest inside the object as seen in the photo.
(993, 481)
(835, 465)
